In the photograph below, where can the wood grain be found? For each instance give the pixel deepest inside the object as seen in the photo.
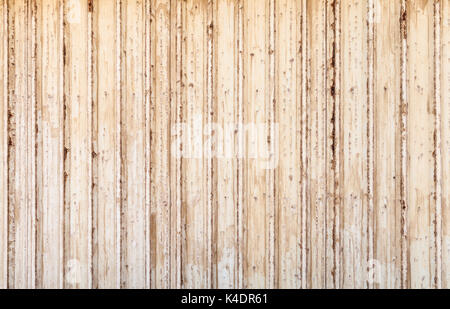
(4, 146)
(106, 144)
(224, 144)
(134, 125)
(386, 270)
(78, 145)
(21, 145)
(444, 96)
(421, 139)
(354, 144)
(228, 113)
(288, 90)
(50, 145)
(160, 139)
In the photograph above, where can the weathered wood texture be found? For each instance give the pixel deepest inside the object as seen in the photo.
(224, 144)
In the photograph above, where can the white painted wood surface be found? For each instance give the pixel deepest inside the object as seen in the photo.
(224, 144)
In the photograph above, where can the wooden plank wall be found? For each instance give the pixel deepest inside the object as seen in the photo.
(225, 144)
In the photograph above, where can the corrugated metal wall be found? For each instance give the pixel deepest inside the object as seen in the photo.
(229, 144)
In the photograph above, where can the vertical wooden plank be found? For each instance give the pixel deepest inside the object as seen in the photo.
(210, 149)
(21, 156)
(258, 105)
(254, 262)
(78, 144)
(370, 16)
(147, 138)
(134, 272)
(176, 114)
(50, 145)
(387, 55)
(240, 145)
(438, 223)
(226, 149)
(302, 75)
(316, 151)
(133, 268)
(421, 165)
(445, 138)
(106, 140)
(403, 124)
(287, 91)
(196, 199)
(269, 152)
(354, 143)
(160, 143)
(4, 145)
